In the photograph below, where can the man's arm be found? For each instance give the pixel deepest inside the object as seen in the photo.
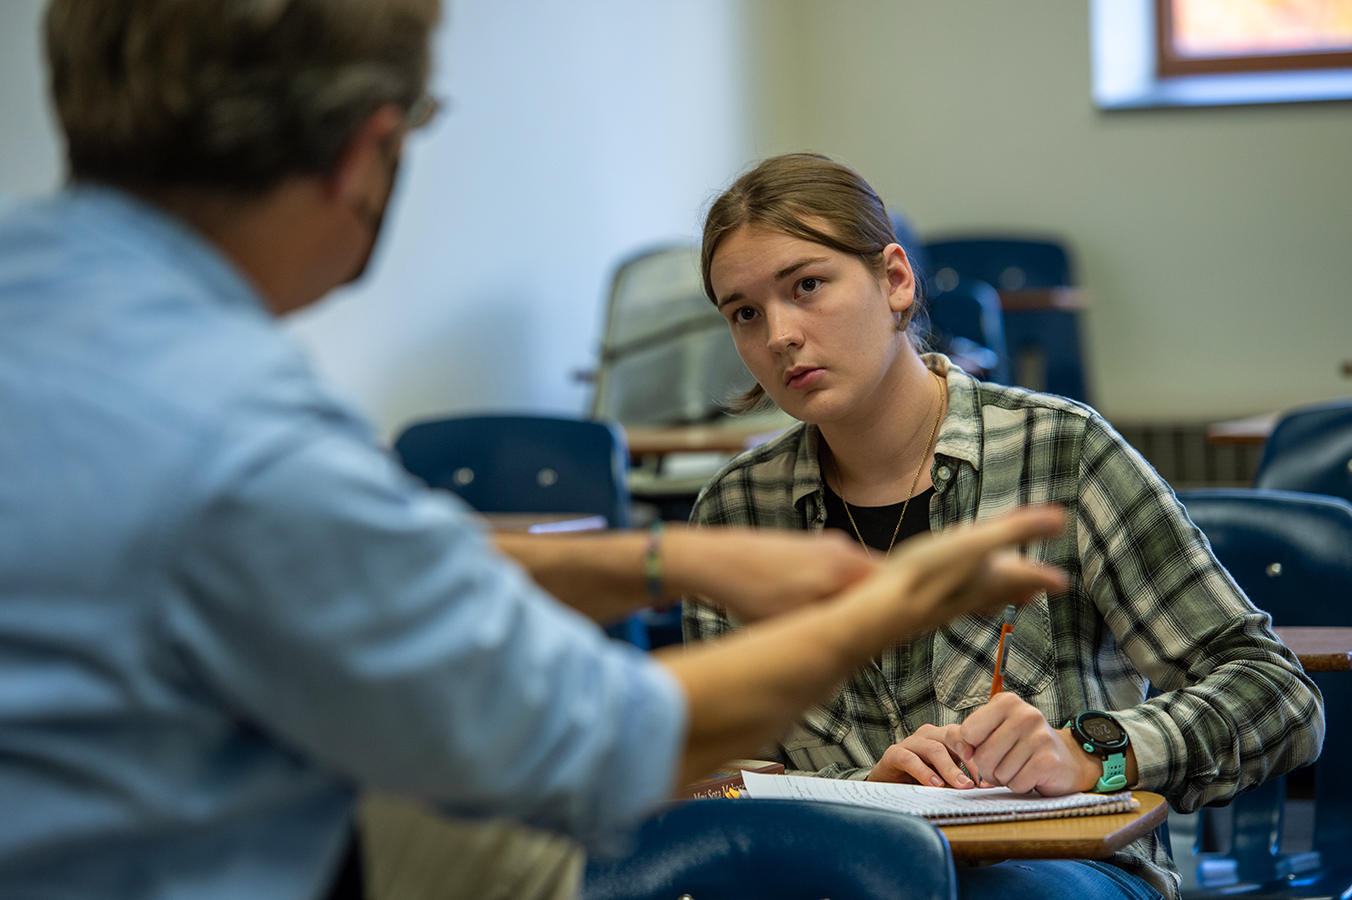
(756, 573)
(746, 688)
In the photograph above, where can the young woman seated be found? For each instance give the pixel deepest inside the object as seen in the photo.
(799, 256)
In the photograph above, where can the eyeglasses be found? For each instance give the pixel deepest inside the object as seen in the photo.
(423, 111)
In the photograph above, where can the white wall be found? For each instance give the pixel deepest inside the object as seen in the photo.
(1215, 241)
(576, 134)
(30, 152)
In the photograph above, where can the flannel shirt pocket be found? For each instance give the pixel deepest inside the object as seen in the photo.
(964, 657)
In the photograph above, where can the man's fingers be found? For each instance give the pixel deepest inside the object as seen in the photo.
(1025, 524)
(1019, 577)
(957, 556)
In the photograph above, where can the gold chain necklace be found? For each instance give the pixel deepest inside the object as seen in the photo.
(943, 389)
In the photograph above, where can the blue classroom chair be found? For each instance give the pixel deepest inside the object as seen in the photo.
(1292, 554)
(509, 463)
(538, 464)
(1052, 336)
(777, 850)
(966, 322)
(1310, 449)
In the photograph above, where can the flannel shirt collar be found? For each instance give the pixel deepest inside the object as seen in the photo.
(960, 434)
(807, 470)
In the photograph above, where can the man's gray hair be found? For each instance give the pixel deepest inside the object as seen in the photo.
(231, 94)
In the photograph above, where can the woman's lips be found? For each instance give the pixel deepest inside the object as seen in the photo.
(805, 379)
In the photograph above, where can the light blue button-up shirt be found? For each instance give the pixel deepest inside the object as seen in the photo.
(223, 606)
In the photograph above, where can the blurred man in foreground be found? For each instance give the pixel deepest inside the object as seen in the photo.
(223, 607)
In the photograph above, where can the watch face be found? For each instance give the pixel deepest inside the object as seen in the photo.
(1102, 730)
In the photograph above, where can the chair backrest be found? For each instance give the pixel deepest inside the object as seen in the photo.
(1310, 450)
(1008, 263)
(1292, 554)
(667, 356)
(1043, 344)
(970, 311)
(502, 463)
(778, 850)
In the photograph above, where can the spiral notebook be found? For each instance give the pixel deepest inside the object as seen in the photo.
(942, 806)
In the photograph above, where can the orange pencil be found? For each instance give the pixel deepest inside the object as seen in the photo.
(1006, 629)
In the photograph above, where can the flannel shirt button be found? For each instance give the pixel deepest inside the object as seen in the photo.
(944, 473)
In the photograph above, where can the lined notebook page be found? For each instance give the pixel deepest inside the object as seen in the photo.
(942, 806)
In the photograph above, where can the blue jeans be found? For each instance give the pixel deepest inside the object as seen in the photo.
(1051, 879)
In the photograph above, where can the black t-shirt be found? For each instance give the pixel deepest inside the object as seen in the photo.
(877, 523)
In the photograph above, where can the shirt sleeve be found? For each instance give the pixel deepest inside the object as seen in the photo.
(1235, 706)
(368, 624)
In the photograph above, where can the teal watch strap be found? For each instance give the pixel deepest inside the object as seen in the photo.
(1099, 734)
(1114, 774)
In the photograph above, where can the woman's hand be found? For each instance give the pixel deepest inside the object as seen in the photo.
(924, 757)
(1009, 742)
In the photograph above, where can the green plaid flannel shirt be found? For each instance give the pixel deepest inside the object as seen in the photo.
(1148, 605)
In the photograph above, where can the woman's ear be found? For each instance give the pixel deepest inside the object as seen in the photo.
(899, 277)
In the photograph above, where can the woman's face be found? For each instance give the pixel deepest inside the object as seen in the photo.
(815, 326)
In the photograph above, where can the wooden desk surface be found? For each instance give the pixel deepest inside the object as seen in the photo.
(1080, 837)
(1069, 298)
(1253, 430)
(732, 436)
(1321, 649)
(542, 523)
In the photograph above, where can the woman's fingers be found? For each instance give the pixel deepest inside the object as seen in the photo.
(922, 758)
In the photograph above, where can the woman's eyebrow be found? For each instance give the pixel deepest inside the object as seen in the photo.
(794, 267)
(779, 276)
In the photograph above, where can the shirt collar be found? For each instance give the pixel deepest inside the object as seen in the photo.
(807, 470)
(960, 433)
(148, 230)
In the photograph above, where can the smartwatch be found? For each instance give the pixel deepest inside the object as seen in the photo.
(1100, 735)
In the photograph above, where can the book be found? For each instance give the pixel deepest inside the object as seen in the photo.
(727, 782)
(942, 806)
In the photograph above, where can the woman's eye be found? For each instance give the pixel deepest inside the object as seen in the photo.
(808, 285)
(744, 314)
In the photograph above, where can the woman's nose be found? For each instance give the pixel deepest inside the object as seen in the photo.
(783, 330)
